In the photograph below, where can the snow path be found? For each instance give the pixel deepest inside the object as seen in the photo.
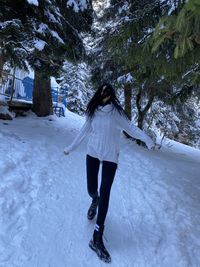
(153, 219)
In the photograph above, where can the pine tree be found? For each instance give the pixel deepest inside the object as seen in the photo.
(62, 41)
(52, 29)
(155, 74)
(181, 31)
(15, 33)
(126, 49)
(79, 88)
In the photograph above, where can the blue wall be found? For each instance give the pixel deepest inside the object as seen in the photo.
(28, 86)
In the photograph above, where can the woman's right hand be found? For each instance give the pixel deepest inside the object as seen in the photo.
(66, 152)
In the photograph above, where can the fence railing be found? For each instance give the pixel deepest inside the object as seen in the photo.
(15, 88)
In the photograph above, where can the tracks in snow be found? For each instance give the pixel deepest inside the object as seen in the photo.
(43, 204)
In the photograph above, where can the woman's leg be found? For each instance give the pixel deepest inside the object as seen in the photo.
(92, 185)
(108, 174)
(92, 168)
(96, 244)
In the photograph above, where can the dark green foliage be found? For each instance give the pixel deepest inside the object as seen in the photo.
(52, 22)
(15, 33)
(181, 32)
(134, 43)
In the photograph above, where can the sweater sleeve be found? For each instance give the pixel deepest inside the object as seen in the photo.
(134, 131)
(85, 129)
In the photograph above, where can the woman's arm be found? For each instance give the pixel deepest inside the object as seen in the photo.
(85, 129)
(134, 131)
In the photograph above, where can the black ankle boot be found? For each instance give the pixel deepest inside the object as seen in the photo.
(97, 245)
(93, 208)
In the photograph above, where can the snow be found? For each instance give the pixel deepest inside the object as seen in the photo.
(55, 34)
(40, 44)
(42, 28)
(4, 110)
(33, 2)
(23, 101)
(77, 4)
(73, 4)
(8, 23)
(54, 83)
(52, 17)
(153, 217)
(83, 4)
(100, 6)
(123, 8)
(126, 78)
(2, 97)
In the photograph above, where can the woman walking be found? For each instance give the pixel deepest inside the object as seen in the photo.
(105, 119)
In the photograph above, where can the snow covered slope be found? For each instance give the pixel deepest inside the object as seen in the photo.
(153, 218)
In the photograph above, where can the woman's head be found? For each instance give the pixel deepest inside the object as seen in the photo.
(104, 95)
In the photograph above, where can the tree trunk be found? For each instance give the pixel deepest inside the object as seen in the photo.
(127, 98)
(140, 119)
(143, 111)
(42, 99)
(2, 62)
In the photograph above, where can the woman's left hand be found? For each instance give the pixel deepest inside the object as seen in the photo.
(152, 146)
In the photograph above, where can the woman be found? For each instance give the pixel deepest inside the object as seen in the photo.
(104, 122)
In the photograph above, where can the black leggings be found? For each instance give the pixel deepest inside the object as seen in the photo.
(108, 174)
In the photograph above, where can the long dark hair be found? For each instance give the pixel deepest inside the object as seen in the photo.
(96, 100)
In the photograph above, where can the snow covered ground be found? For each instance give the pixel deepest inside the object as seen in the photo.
(154, 214)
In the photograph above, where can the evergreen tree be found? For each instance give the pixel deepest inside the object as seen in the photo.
(15, 33)
(62, 41)
(155, 74)
(79, 88)
(54, 26)
(181, 31)
(129, 26)
(126, 46)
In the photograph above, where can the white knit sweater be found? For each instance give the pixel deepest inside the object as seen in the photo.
(104, 134)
